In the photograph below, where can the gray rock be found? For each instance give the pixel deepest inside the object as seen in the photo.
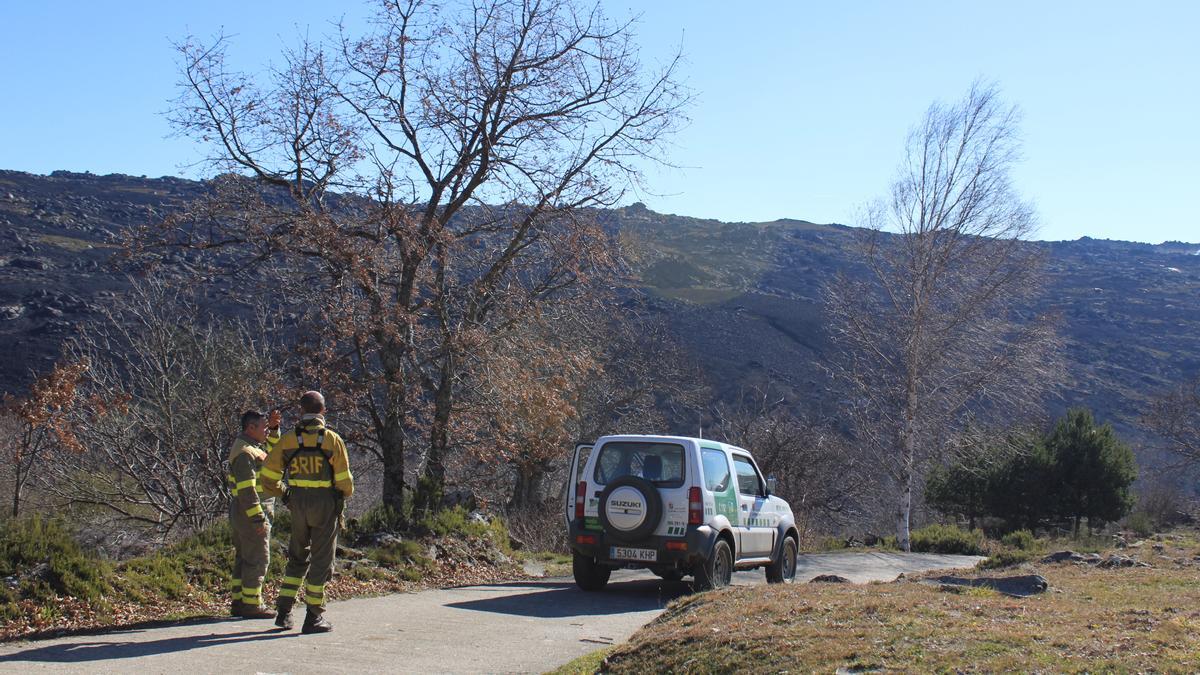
(350, 554)
(1063, 556)
(829, 579)
(380, 539)
(1016, 587)
(1114, 561)
(29, 263)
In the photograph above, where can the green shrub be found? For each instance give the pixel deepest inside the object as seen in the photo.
(456, 522)
(831, 544)
(407, 558)
(202, 562)
(1140, 523)
(368, 573)
(947, 539)
(1006, 558)
(398, 554)
(378, 518)
(154, 576)
(1021, 539)
(28, 544)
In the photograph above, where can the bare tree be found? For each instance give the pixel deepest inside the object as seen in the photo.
(1175, 416)
(164, 396)
(816, 471)
(431, 182)
(936, 331)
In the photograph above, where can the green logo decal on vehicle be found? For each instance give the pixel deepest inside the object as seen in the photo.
(727, 504)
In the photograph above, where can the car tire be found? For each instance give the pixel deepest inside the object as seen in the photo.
(654, 509)
(589, 575)
(717, 571)
(669, 575)
(782, 570)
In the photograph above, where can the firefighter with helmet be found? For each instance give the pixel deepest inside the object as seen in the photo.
(310, 468)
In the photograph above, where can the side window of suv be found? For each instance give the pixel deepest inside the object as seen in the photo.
(748, 481)
(716, 470)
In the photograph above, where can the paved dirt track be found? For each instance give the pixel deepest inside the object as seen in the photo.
(529, 626)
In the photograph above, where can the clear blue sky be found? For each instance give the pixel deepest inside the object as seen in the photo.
(802, 106)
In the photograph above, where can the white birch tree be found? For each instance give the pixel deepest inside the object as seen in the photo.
(934, 334)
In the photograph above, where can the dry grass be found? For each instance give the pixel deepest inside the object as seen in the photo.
(1132, 619)
(73, 244)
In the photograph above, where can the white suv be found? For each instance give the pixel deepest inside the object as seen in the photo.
(677, 506)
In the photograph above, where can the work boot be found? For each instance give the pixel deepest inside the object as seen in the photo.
(316, 623)
(283, 619)
(235, 609)
(255, 612)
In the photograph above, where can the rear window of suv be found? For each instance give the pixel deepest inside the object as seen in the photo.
(659, 463)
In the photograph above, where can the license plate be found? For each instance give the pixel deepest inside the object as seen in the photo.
(642, 554)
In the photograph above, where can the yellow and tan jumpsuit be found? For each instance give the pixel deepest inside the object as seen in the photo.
(247, 512)
(312, 461)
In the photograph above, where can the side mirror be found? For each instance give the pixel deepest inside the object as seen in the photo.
(770, 485)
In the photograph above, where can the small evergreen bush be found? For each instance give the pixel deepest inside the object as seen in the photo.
(1021, 539)
(1140, 523)
(49, 562)
(457, 522)
(947, 539)
(1005, 558)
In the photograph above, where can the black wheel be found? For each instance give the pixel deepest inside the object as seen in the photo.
(669, 575)
(589, 575)
(783, 569)
(630, 509)
(717, 571)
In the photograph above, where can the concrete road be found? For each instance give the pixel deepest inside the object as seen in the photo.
(529, 626)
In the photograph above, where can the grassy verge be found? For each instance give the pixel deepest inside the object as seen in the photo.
(584, 665)
(1130, 619)
(49, 585)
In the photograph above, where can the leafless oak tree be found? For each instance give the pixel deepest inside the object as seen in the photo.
(816, 471)
(937, 330)
(432, 179)
(1175, 416)
(159, 410)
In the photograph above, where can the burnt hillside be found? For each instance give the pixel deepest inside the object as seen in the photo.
(743, 297)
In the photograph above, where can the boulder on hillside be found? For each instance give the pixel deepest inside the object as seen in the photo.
(1016, 587)
(1114, 561)
(828, 579)
(1063, 556)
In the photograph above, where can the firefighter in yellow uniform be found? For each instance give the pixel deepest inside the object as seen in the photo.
(311, 468)
(249, 515)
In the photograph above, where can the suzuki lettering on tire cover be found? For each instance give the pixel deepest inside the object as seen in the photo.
(630, 508)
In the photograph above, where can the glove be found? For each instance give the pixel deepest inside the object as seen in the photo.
(287, 494)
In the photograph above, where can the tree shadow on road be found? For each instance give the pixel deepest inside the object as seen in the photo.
(565, 599)
(103, 650)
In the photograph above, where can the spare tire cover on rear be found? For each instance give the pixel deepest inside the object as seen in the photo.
(630, 508)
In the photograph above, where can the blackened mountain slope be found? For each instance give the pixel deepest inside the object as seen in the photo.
(744, 298)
